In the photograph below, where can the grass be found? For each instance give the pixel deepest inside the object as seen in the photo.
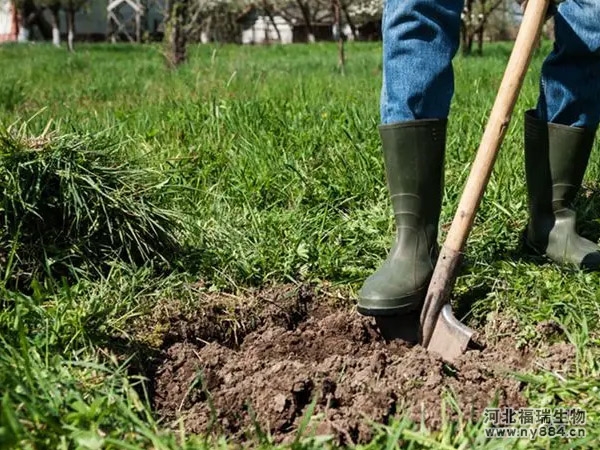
(262, 165)
(72, 202)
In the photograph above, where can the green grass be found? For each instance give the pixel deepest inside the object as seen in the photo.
(271, 158)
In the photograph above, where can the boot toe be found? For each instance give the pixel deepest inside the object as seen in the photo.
(379, 297)
(567, 247)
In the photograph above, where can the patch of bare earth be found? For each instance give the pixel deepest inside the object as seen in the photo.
(301, 348)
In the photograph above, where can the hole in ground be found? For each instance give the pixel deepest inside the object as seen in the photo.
(288, 358)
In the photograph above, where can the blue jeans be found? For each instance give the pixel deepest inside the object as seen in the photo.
(421, 37)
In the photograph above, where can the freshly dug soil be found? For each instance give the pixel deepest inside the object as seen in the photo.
(307, 353)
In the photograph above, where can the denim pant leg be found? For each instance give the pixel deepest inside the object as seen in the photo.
(420, 38)
(570, 81)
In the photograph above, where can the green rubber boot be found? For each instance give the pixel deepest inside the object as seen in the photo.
(556, 157)
(414, 163)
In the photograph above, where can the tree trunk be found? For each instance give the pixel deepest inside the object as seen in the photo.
(176, 37)
(138, 27)
(55, 23)
(305, 9)
(481, 24)
(480, 35)
(266, 36)
(29, 14)
(337, 20)
(70, 29)
(23, 35)
(466, 25)
(23, 24)
(349, 20)
(269, 12)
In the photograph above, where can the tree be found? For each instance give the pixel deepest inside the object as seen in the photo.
(361, 12)
(27, 13)
(474, 19)
(30, 14)
(269, 11)
(187, 20)
(217, 20)
(502, 23)
(71, 7)
(305, 8)
(364, 10)
(53, 7)
(344, 7)
(306, 12)
(338, 35)
(315, 12)
(176, 34)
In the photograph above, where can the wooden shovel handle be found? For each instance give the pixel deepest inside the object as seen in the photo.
(444, 273)
(527, 38)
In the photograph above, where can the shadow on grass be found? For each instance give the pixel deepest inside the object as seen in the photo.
(463, 303)
(587, 206)
(142, 361)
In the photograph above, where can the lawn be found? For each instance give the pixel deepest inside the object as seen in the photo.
(157, 221)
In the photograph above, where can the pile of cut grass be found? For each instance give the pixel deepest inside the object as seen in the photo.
(71, 203)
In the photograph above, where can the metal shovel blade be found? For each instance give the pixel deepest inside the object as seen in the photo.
(450, 337)
(441, 332)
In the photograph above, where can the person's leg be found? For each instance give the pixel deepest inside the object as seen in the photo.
(559, 135)
(420, 38)
(569, 85)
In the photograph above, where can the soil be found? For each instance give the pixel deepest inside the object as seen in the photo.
(304, 354)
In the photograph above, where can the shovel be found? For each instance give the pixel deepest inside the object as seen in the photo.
(441, 332)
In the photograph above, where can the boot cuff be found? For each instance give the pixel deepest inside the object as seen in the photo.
(428, 123)
(533, 125)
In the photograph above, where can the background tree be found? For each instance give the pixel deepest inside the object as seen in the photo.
(176, 31)
(361, 12)
(502, 23)
(189, 20)
(220, 21)
(70, 7)
(269, 10)
(215, 20)
(338, 34)
(306, 12)
(305, 9)
(29, 15)
(474, 20)
(53, 7)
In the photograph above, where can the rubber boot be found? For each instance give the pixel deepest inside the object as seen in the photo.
(414, 163)
(556, 157)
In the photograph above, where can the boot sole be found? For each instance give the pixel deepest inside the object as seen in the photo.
(406, 305)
